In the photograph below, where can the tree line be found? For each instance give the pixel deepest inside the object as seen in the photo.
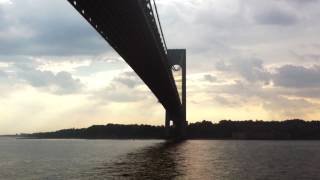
(295, 129)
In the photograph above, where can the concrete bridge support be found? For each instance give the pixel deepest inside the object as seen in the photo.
(177, 59)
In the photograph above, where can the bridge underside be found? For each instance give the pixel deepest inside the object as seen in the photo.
(130, 28)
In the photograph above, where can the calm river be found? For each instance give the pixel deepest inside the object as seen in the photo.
(155, 159)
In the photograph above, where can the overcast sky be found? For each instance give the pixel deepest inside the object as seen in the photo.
(247, 59)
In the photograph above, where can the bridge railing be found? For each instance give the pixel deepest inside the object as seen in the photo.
(153, 15)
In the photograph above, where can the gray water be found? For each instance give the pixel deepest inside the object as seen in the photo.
(156, 159)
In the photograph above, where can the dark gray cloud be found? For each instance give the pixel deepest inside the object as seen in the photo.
(123, 88)
(130, 79)
(3, 74)
(276, 17)
(241, 94)
(3, 21)
(288, 96)
(240, 89)
(304, 93)
(301, 2)
(210, 78)
(293, 76)
(287, 76)
(251, 69)
(60, 83)
(38, 27)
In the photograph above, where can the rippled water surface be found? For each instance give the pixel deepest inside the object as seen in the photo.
(155, 159)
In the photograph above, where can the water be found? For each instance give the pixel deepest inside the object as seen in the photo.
(155, 159)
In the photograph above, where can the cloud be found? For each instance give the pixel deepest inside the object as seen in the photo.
(312, 93)
(293, 76)
(130, 79)
(276, 17)
(287, 76)
(251, 69)
(276, 102)
(286, 91)
(118, 95)
(3, 74)
(36, 27)
(210, 78)
(301, 2)
(124, 88)
(60, 83)
(288, 80)
(225, 101)
(290, 108)
(2, 2)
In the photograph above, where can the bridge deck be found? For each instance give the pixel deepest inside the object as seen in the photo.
(130, 28)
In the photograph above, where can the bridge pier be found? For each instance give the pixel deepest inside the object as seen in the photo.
(179, 129)
(167, 125)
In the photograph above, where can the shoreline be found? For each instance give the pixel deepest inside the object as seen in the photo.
(215, 139)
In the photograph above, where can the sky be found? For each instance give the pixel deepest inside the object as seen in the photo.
(247, 59)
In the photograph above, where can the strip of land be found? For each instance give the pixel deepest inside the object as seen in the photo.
(252, 130)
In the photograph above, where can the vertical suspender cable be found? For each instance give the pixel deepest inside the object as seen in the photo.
(163, 39)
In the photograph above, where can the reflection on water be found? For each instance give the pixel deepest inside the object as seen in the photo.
(156, 162)
(132, 159)
(218, 160)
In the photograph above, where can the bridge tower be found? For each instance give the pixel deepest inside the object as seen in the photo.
(177, 61)
(134, 30)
